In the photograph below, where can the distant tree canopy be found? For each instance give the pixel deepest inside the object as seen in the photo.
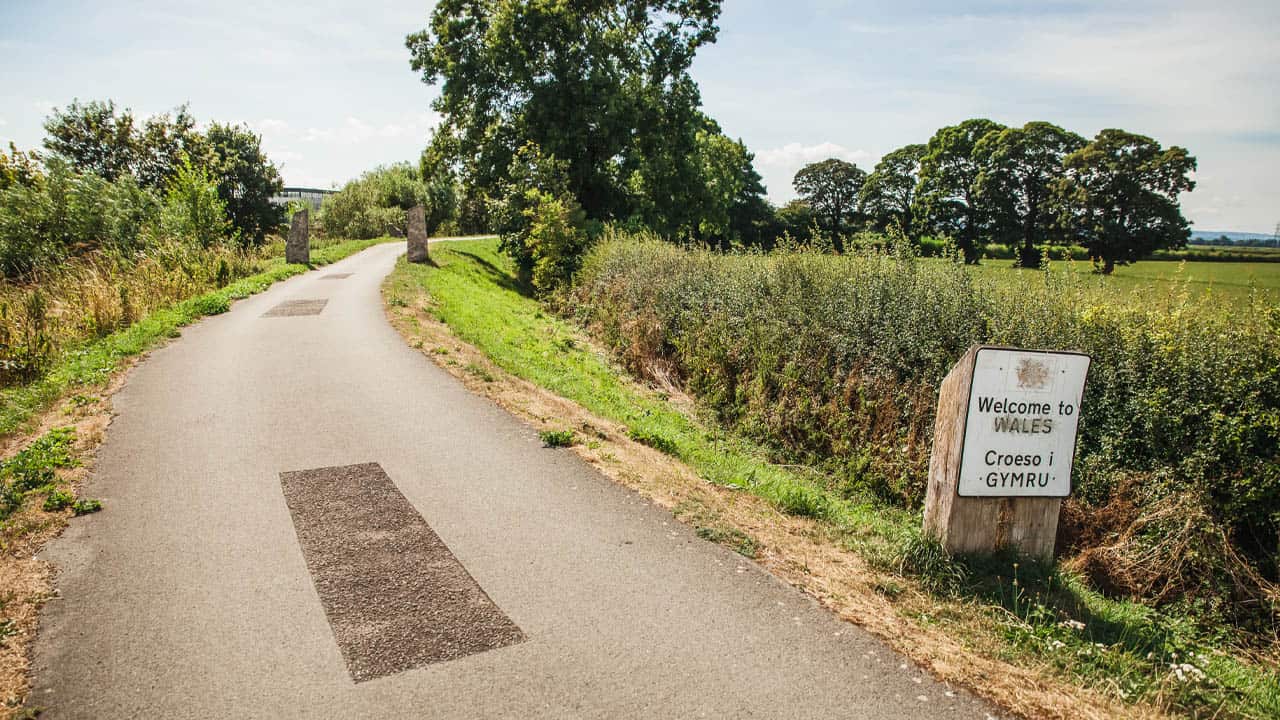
(600, 88)
(97, 138)
(1018, 167)
(946, 197)
(1120, 194)
(591, 108)
(795, 219)
(831, 188)
(888, 194)
(980, 182)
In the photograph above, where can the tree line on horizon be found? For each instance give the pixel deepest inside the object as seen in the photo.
(981, 182)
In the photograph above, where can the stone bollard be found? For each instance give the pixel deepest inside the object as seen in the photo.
(297, 248)
(1003, 446)
(418, 252)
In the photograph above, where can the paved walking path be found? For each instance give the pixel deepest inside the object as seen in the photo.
(191, 595)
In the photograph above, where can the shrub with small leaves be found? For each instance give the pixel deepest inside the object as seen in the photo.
(58, 500)
(557, 438)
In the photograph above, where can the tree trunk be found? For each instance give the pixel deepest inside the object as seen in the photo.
(1029, 255)
(969, 238)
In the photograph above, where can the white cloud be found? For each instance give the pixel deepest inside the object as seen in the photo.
(270, 125)
(1189, 70)
(355, 130)
(799, 155)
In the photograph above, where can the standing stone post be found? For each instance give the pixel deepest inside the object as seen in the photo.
(418, 252)
(1003, 446)
(297, 249)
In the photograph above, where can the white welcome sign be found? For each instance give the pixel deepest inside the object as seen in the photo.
(1020, 428)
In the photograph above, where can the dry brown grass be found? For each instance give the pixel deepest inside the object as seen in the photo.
(91, 296)
(950, 638)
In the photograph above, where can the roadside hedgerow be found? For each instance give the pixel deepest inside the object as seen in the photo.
(834, 363)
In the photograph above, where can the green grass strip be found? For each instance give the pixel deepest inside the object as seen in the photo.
(94, 362)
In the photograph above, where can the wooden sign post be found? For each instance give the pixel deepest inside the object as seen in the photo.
(1003, 446)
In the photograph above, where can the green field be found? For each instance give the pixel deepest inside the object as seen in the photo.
(1234, 282)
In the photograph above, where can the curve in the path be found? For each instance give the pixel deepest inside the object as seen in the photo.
(190, 595)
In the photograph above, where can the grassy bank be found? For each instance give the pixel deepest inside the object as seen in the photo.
(1055, 635)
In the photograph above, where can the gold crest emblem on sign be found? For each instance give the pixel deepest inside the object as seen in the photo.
(1033, 374)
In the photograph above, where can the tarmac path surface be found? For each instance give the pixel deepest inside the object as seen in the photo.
(305, 518)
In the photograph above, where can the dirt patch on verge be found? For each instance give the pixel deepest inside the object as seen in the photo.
(950, 639)
(26, 581)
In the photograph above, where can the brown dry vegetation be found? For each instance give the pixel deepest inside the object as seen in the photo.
(803, 552)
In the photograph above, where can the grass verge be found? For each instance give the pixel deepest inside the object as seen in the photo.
(1033, 639)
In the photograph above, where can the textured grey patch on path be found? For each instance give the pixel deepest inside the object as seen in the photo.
(294, 308)
(395, 595)
(337, 276)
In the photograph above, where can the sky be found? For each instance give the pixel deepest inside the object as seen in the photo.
(329, 88)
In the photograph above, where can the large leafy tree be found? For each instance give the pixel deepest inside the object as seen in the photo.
(602, 86)
(733, 208)
(246, 181)
(163, 142)
(888, 194)
(1019, 167)
(97, 137)
(94, 137)
(1122, 191)
(946, 196)
(831, 188)
(795, 219)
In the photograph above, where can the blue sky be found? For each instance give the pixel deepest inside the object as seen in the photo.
(328, 85)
